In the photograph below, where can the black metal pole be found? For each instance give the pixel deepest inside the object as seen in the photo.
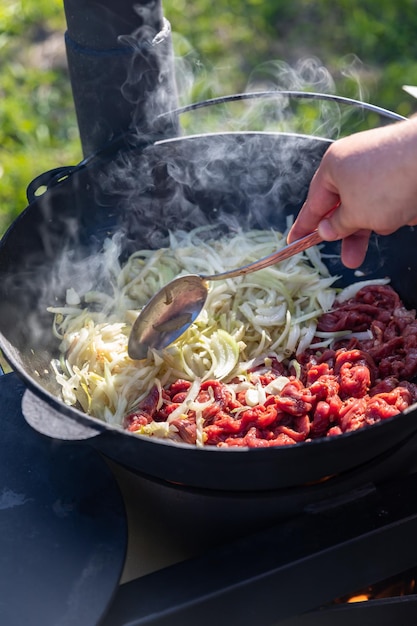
(121, 68)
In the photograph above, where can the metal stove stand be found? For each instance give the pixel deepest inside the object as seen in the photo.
(287, 574)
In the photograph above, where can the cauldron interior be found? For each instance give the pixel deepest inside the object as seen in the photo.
(245, 180)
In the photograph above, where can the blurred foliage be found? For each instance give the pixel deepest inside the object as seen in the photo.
(368, 47)
(38, 129)
(355, 48)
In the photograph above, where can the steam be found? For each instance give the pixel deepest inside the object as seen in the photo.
(149, 84)
(231, 180)
(247, 179)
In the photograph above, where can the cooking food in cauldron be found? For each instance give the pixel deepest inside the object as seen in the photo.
(274, 359)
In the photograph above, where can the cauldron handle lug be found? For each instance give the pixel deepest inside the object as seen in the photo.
(48, 179)
(53, 423)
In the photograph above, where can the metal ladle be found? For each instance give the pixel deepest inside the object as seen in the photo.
(175, 307)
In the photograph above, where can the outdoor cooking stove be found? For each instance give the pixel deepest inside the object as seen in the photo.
(290, 557)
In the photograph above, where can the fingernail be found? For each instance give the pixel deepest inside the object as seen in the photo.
(326, 231)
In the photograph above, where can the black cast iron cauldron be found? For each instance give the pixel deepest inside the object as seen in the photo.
(252, 179)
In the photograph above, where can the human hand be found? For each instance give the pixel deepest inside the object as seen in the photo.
(371, 178)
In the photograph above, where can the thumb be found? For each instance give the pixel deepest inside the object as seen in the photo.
(331, 227)
(321, 201)
(327, 229)
(312, 214)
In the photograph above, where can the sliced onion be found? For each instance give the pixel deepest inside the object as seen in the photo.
(351, 290)
(183, 408)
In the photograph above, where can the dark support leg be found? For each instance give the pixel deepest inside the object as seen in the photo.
(121, 68)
